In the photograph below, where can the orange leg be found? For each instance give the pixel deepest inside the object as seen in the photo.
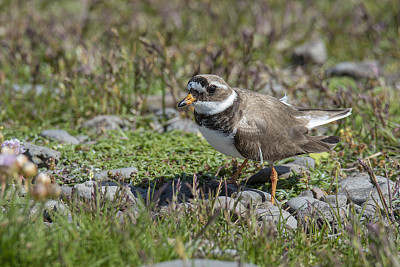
(274, 181)
(232, 180)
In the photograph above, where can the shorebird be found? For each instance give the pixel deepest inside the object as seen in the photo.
(245, 124)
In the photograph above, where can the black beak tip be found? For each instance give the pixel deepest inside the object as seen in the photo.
(181, 104)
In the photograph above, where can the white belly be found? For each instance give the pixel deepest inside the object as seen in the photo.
(221, 141)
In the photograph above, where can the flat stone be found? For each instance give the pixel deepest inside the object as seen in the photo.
(103, 123)
(60, 136)
(318, 193)
(53, 206)
(251, 197)
(66, 191)
(335, 200)
(40, 155)
(117, 173)
(311, 52)
(230, 205)
(168, 112)
(306, 193)
(284, 171)
(185, 125)
(277, 216)
(200, 263)
(321, 212)
(304, 161)
(298, 203)
(86, 190)
(357, 70)
(359, 187)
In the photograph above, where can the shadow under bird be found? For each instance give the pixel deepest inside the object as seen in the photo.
(245, 124)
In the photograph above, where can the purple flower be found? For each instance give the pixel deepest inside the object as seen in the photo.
(15, 145)
(7, 160)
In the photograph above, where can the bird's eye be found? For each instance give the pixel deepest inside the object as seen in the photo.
(211, 89)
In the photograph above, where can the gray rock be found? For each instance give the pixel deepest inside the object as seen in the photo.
(318, 193)
(251, 197)
(185, 125)
(169, 113)
(103, 123)
(230, 205)
(113, 190)
(60, 136)
(297, 203)
(359, 187)
(335, 200)
(321, 212)
(52, 207)
(277, 216)
(66, 191)
(40, 155)
(83, 138)
(200, 263)
(306, 193)
(117, 173)
(311, 52)
(284, 171)
(304, 161)
(86, 191)
(357, 70)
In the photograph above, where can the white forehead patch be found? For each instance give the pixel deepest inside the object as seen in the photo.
(196, 86)
(214, 107)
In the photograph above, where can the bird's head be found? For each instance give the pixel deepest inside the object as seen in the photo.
(209, 94)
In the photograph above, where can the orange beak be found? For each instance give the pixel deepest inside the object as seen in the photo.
(189, 99)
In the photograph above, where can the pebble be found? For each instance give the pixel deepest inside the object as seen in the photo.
(321, 212)
(169, 113)
(103, 123)
(318, 193)
(335, 200)
(357, 70)
(251, 197)
(312, 52)
(230, 205)
(60, 136)
(182, 124)
(297, 203)
(359, 187)
(306, 193)
(54, 206)
(304, 161)
(40, 155)
(277, 215)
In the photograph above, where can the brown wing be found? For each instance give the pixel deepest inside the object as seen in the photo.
(269, 128)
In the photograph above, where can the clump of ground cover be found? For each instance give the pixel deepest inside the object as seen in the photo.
(65, 61)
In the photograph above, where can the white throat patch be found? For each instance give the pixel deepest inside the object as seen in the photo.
(211, 107)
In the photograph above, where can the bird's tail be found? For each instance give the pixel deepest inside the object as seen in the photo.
(317, 117)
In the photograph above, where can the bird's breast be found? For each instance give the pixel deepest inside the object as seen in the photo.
(222, 142)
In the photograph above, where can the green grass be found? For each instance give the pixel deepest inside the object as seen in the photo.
(107, 57)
